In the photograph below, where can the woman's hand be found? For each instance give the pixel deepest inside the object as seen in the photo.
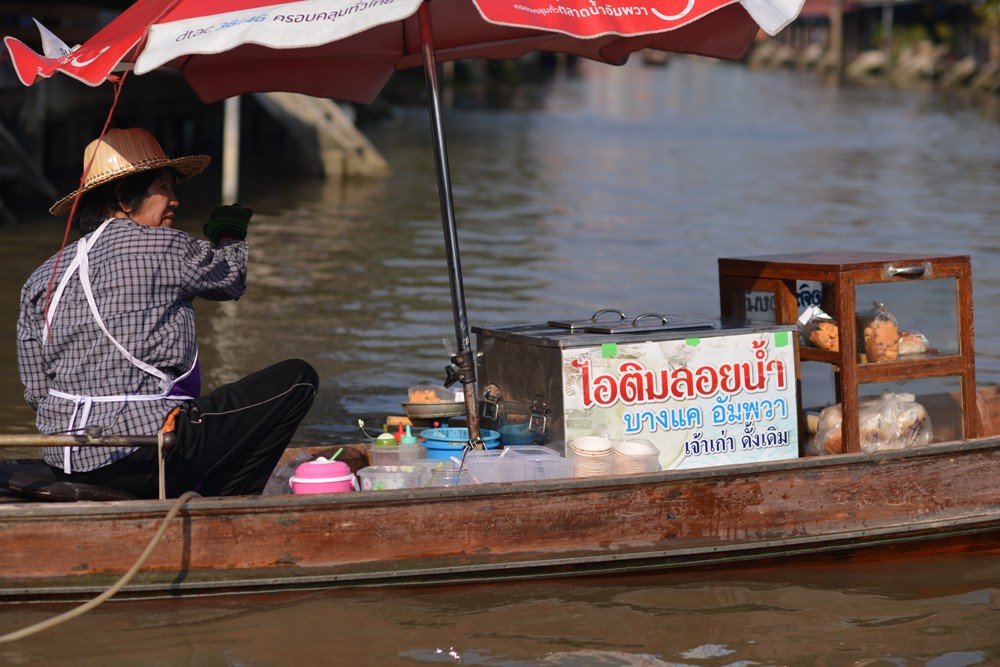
(227, 222)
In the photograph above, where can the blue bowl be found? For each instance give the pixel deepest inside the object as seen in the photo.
(443, 443)
(518, 434)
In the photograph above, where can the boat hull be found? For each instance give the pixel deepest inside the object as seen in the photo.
(888, 505)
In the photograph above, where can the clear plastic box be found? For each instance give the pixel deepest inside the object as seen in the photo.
(541, 462)
(394, 456)
(492, 466)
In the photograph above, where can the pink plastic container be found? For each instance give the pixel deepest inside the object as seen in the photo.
(322, 476)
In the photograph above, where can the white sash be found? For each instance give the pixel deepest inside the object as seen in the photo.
(83, 404)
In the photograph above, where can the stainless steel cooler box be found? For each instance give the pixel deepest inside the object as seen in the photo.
(704, 391)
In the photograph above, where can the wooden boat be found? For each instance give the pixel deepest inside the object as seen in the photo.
(936, 499)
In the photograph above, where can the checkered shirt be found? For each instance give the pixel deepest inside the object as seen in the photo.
(143, 280)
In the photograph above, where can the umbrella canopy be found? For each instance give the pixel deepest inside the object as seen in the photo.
(347, 50)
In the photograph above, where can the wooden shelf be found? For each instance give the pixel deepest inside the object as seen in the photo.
(844, 271)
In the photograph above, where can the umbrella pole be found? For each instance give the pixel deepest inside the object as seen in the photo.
(463, 366)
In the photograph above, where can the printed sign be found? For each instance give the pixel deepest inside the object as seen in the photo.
(585, 18)
(279, 26)
(760, 305)
(700, 401)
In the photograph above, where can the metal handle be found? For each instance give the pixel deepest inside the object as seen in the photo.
(891, 271)
(662, 318)
(604, 311)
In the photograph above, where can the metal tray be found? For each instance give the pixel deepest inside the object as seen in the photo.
(434, 410)
(576, 325)
(628, 328)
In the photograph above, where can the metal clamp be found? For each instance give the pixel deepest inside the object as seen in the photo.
(461, 370)
(490, 405)
(921, 271)
(538, 420)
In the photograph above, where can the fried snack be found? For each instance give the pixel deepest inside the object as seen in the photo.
(880, 334)
(825, 336)
(819, 329)
(912, 342)
(828, 438)
(424, 396)
(892, 421)
(882, 341)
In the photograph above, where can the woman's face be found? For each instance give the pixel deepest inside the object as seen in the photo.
(158, 206)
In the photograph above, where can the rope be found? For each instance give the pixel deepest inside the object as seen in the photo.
(161, 464)
(103, 597)
(117, 84)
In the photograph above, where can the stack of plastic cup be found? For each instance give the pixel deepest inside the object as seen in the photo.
(592, 456)
(635, 456)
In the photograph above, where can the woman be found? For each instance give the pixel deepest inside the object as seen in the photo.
(106, 335)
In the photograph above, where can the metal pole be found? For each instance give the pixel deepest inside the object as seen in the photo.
(887, 18)
(41, 440)
(463, 368)
(231, 150)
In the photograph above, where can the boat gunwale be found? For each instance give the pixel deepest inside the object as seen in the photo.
(588, 564)
(311, 502)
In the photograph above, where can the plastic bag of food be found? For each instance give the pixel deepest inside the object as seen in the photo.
(429, 393)
(819, 329)
(878, 331)
(891, 421)
(912, 342)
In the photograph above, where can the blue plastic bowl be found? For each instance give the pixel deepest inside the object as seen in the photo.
(518, 434)
(443, 443)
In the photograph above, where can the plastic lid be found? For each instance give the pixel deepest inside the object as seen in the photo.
(321, 469)
(386, 440)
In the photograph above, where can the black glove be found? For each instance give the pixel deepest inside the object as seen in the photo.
(227, 222)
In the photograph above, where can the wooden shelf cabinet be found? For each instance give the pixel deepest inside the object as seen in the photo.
(843, 272)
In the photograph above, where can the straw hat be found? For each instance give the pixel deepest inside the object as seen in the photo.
(123, 153)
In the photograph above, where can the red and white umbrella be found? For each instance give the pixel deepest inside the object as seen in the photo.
(347, 49)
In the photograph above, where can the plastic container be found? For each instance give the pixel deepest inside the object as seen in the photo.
(381, 478)
(396, 455)
(533, 451)
(447, 473)
(322, 476)
(518, 434)
(443, 443)
(492, 466)
(542, 463)
(441, 472)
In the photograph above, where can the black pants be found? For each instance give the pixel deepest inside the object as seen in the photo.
(228, 441)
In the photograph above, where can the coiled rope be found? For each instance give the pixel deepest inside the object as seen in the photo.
(118, 585)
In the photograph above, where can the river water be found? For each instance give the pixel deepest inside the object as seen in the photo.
(611, 187)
